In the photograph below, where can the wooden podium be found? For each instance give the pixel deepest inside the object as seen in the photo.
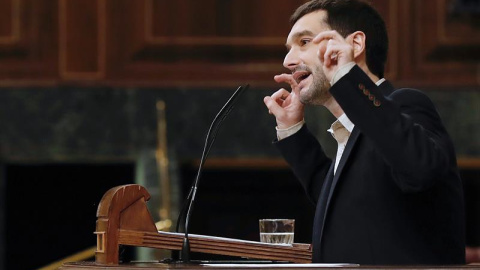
(123, 219)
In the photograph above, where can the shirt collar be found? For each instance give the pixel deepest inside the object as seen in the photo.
(344, 121)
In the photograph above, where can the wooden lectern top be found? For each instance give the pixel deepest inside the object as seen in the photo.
(123, 219)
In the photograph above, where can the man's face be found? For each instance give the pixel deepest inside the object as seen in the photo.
(302, 59)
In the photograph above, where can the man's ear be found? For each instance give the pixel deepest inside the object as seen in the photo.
(359, 40)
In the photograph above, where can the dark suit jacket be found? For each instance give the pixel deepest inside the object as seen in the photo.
(396, 197)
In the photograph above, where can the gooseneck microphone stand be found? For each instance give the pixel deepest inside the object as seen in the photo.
(210, 138)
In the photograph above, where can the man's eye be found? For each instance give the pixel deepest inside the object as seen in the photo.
(304, 41)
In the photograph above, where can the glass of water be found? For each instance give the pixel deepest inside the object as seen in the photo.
(277, 231)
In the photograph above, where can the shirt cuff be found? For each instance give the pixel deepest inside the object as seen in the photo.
(342, 71)
(286, 132)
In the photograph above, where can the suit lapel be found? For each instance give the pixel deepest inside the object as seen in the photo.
(346, 153)
(326, 195)
(321, 209)
(387, 88)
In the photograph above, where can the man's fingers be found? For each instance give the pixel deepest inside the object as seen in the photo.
(266, 100)
(330, 55)
(326, 35)
(272, 105)
(281, 94)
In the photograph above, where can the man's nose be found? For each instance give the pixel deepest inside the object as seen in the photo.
(291, 60)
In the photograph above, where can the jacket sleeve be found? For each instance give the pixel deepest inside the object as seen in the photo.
(306, 157)
(404, 127)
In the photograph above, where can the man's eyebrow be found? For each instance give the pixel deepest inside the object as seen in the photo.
(300, 34)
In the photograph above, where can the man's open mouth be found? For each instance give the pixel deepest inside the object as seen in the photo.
(300, 76)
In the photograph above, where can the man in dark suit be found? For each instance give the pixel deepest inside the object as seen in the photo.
(393, 194)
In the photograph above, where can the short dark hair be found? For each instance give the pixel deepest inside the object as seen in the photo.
(348, 16)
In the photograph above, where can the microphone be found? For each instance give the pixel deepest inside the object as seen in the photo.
(209, 140)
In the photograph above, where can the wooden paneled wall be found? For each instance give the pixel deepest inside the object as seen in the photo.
(211, 42)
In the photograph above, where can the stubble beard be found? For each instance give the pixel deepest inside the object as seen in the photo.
(318, 93)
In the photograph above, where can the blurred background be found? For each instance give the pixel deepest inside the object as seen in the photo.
(100, 93)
